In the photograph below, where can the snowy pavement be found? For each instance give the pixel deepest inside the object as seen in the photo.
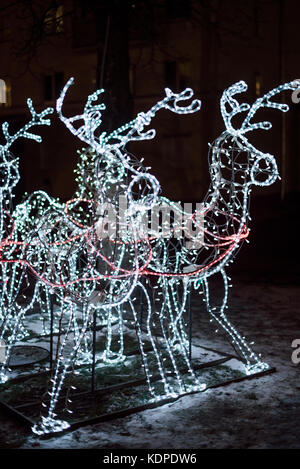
(261, 413)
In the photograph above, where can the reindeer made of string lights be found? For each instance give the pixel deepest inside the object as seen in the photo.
(79, 266)
(13, 267)
(235, 165)
(114, 267)
(62, 235)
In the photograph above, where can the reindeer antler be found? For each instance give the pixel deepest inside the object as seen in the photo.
(264, 102)
(37, 119)
(91, 115)
(137, 125)
(131, 131)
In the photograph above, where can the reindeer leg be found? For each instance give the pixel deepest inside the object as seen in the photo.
(169, 342)
(17, 316)
(253, 363)
(109, 356)
(12, 324)
(11, 317)
(64, 362)
(179, 329)
(178, 338)
(157, 352)
(84, 354)
(46, 309)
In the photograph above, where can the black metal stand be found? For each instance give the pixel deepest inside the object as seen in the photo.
(93, 378)
(51, 330)
(190, 325)
(25, 410)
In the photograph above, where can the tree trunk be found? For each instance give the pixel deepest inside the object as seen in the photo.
(113, 63)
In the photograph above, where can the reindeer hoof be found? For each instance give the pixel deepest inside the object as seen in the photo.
(197, 387)
(111, 357)
(84, 358)
(201, 387)
(3, 378)
(256, 368)
(49, 425)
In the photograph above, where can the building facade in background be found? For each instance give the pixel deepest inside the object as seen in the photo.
(135, 51)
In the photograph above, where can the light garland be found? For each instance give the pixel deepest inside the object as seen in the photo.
(80, 256)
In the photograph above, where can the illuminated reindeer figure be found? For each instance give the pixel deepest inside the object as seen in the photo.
(9, 177)
(79, 264)
(235, 166)
(12, 249)
(110, 269)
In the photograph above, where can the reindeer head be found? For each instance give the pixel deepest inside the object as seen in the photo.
(117, 173)
(114, 163)
(232, 150)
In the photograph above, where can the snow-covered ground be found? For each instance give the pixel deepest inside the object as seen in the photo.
(261, 413)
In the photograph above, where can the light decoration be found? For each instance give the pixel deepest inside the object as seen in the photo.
(13, 274)
(91, 275)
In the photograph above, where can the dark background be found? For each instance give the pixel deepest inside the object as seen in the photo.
(134, 49)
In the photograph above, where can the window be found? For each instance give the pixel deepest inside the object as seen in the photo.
(82, 10)
(174, 77)
(53, 85)
(177, 8)
(171, 75)
(5, 29)
(88, 24)
(258, 85)
(256, 18)
(5, 93)
(2, 92)
(53, 21)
